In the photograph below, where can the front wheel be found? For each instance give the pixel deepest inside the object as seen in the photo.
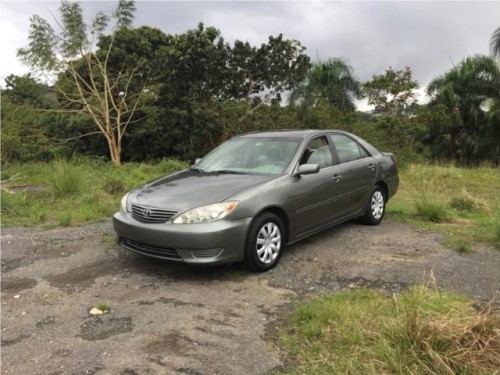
(376, 207)
(264, 243)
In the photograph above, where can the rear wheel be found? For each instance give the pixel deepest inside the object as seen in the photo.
(376, 207)
(265, 242)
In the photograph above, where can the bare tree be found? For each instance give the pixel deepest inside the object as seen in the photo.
(110, 97)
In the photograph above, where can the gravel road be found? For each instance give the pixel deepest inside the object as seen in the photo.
(167, 318)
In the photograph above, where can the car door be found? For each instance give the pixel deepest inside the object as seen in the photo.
(313, 195)
(358, 171)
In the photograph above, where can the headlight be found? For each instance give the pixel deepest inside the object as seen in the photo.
(206, 214)
(124, 204)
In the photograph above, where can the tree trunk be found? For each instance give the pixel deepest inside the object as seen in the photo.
(114, 150)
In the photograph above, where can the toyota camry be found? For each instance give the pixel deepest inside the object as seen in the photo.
(256, 193)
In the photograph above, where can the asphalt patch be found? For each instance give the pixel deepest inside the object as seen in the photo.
(14, 285)
(97, 328)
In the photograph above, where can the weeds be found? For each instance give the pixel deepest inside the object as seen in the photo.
(432, 210)
(105, 308)
(458, 202)
(78, 191)
(39, 216)
(460, 245)
(64, 218)
(66, 178)
(428, 205)
(114, 187)
(421, 331)
(466, 202)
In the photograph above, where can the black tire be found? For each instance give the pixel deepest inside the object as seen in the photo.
(375, 209)
(265, 242)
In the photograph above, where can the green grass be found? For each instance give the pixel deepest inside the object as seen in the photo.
(421, 331)
(104, 307)
(71, 192)
(65, 178)
(462, 203)
(460, 245)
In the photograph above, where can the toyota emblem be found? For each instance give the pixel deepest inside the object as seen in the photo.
(147, 212)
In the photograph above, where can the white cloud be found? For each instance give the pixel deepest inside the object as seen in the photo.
(427, 36)
(13, 36)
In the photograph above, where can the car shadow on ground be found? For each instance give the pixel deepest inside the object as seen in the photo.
(140, 264)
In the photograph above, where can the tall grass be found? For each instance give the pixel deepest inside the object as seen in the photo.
(66, 178)
(421, 331)
(73, 192)
(462, 203)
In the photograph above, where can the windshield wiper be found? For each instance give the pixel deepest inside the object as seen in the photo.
(196, 169)
(228, 171)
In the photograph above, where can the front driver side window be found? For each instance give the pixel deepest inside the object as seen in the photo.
(318, 152)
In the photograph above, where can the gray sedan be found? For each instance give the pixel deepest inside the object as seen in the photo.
(254, 194)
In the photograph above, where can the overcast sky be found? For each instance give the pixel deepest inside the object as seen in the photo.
(427, 36)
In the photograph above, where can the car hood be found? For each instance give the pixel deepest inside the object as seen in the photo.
(189, 189)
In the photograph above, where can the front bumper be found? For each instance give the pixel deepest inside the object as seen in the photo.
(219, 242)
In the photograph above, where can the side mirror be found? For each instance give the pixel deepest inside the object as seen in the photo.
(307, 169)
(196, 161)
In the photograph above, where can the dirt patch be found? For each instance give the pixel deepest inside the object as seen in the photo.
(14, 340)
(13, 285)
(168, 318)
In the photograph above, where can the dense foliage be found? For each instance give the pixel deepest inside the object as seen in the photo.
(140, 94)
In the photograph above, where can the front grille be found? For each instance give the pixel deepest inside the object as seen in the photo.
(152, 215)
(155, 251)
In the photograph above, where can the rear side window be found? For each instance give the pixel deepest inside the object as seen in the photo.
(347, 148)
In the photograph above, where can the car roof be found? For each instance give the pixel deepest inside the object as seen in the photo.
(286, 133)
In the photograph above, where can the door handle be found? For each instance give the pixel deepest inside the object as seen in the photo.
(371, 166)
(336, 178)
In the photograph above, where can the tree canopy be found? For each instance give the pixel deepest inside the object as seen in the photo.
(137, 93)
(392, 92)
(495, 43)
(332, 81)
(472, 90)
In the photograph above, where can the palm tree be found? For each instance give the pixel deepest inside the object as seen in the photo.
(332, 81)
(495, 43)
(472, 90)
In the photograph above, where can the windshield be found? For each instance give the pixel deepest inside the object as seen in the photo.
(251, 155)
